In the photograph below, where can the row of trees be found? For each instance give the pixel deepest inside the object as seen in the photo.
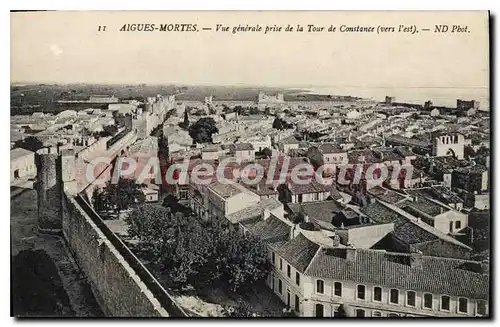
(240, 110)
(189, 251)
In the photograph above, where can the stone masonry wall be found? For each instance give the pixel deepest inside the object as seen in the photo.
(118, 289)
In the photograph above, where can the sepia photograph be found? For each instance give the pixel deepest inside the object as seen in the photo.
(250, 164)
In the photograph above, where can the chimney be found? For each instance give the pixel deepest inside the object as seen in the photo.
(266, 214)
(293, 231)
(336, 240)
(350, 254)
(306, 218)
(416, 259)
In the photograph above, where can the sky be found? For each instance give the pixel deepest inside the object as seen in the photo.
(66, 47)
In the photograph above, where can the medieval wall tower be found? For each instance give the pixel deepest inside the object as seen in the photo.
(56, 174)
(49, 189)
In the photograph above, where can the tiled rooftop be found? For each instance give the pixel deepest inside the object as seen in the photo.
(435, 274)
(413, 234)
(298, 252)
(383, 215)
(271, 229)
(321, 210)
(253, 211)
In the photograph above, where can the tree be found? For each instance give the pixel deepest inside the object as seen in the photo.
(185, 123)
(122, 195)
(253, 111)
(241, 310)
(238, 110)
(340, 312)
(226, 109)
(109, 130)
(315, 157)
(481, 155)
(469, 152)
(189, 251)
(246, 262)
(267, 152)
(173, 204)
(299, 218)
(98, 201)
(278, 124)
(177, 244)
(202, 130)
(30, 143)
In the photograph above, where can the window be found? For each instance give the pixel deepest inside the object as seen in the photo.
(272, 257)
(320, 286)
(458, 224)
(337, 289)
(427, 301)
(299, 198)
(280, 286)
(410, 298)
(288, 297)
(281, 264)
(445, 303)
(360, 313)
(297, 303)
(315, 196)
(360, 294)
(377, 294)
(376, 313)
(183, 194)
(288, 271)
(297, 278)
(319, 310)
(394, 296)
(463, 303)
(481, 307)
(272, 281)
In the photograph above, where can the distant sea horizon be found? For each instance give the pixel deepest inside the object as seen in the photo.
(440, 96)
